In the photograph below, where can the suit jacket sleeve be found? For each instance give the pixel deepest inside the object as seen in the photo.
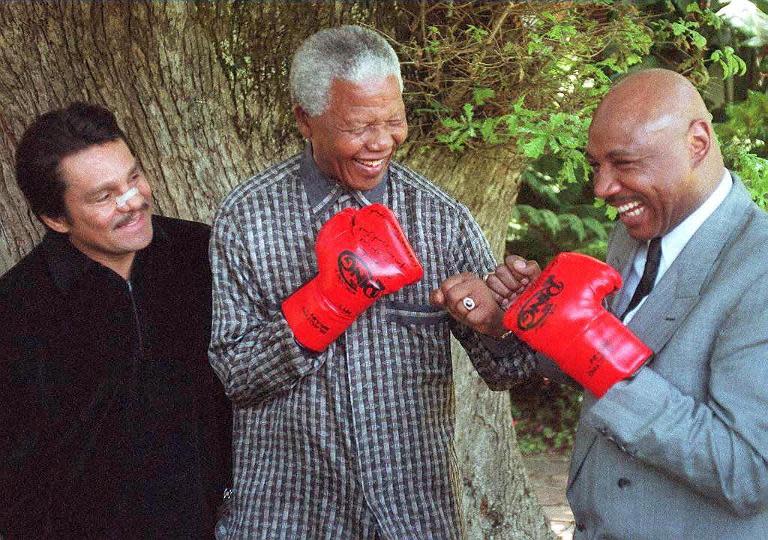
(718, 445)
(252, 347)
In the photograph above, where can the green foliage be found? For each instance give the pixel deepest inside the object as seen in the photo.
(528, 76)
(551, 217)
(730, 63)
(745, 122)
(684, 35)
(545, 416)
(523, 75)
(742, 136)
(753, 170)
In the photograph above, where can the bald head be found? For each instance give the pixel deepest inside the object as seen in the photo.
(654, 154)
(654, 99)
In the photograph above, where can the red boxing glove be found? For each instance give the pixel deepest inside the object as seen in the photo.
(561, 315)
(361, 255)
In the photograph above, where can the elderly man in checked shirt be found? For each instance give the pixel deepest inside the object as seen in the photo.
(354, 440)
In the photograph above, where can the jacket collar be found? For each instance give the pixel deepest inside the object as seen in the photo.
(323, 190)
(67, 264)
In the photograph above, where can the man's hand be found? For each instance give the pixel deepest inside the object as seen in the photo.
(469, 300)
(511, 278)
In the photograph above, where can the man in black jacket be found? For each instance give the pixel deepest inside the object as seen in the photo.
(112, 423)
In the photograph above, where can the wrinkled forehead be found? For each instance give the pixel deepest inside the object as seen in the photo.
(626, 128)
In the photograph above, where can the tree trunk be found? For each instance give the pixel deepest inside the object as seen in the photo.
(498, 499)
(201, 91)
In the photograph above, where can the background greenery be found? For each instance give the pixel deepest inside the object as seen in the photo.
(555, 213)
(532, 87)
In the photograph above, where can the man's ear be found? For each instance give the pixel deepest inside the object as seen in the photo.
(699, 140)
(302, 120)
(59, 224)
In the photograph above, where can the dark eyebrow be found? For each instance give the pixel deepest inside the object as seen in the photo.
(590, 158)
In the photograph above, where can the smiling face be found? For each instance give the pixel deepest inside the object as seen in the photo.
(106, 218)
(644, 175)
(650, 150)
(354, 139)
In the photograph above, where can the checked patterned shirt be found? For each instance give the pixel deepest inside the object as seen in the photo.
(357, 441)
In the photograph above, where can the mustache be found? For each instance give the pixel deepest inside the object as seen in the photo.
(130, 217)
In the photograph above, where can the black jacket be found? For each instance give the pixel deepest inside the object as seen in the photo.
(112, 423)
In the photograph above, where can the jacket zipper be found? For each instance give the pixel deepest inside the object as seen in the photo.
(136, 320)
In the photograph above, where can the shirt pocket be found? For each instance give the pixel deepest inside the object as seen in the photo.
(423, 335)
(416, 314)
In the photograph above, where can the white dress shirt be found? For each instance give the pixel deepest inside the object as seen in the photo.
(675, 240)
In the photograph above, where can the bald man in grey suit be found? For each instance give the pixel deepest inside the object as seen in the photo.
(679, 449)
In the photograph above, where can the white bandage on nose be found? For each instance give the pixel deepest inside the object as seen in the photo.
(125, 197)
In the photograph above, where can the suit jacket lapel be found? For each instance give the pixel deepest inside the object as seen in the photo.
(621, 253)
(680, 287)
(675, 294)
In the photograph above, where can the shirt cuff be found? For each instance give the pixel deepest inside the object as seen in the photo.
(500, 348)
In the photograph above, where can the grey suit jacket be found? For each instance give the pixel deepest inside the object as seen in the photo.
(681, 449)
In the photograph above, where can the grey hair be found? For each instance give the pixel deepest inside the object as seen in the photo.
(351, 53)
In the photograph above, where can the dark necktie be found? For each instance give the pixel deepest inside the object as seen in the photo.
(650, 271)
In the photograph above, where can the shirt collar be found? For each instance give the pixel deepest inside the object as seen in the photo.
(67, 264)
(675, 240)
(323, 190)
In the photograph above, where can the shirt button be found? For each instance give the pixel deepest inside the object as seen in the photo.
(623, 482)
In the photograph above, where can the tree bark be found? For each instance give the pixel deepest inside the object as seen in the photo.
(498, 498)
(201, 92)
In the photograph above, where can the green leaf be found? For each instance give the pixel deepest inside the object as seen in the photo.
(550, 221)
(610, 211)
(451, 123)
(569, 140)
(481, 95)
(678, 29)
(698, 40)
(488, 131)
(568, 172)
(562, 31)
(574, 223)
(693, 7)
(535, 147)
(468, 111)
(632, 59)
(597, 228)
